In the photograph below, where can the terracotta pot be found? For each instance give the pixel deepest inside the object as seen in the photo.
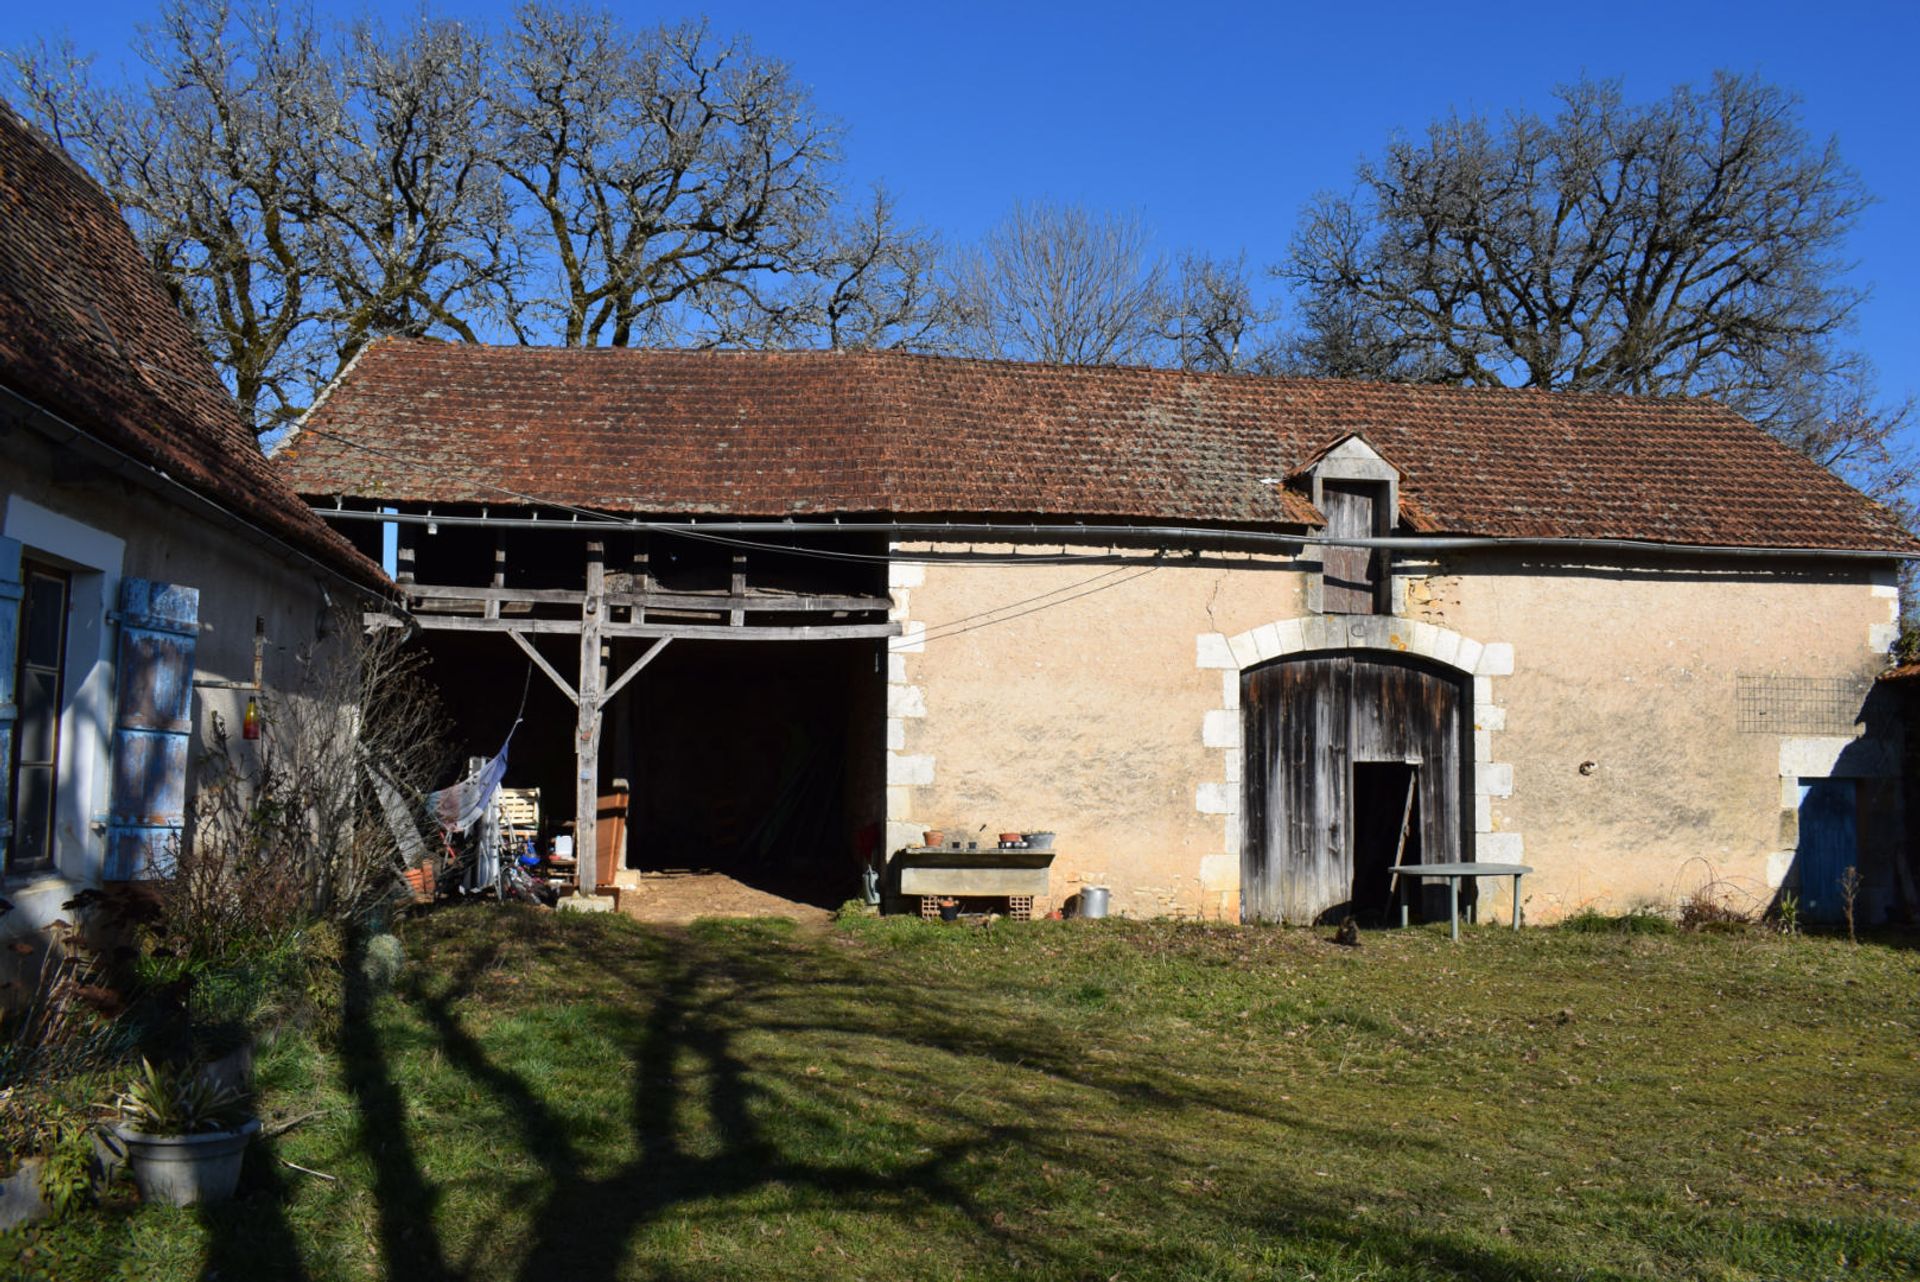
(1010, 838)
(933, 836)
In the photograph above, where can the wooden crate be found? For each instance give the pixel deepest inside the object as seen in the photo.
(520, 808)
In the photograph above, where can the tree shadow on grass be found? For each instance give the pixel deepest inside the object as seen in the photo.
(693, 999)
(404, 1201)
(250, 1236)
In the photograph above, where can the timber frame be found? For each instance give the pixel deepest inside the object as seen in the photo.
(623, 605)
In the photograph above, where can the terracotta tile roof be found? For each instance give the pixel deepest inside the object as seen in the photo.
(792, 433)
(88, 333)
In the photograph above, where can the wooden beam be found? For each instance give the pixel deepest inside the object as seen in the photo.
(736, 615)
(633, 670)
(758, 600)
(652, 628)
(540, 661)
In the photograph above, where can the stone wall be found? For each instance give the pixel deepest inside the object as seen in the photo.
(1099, 698)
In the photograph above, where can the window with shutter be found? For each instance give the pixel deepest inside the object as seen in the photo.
(39, 699)
(153, 722)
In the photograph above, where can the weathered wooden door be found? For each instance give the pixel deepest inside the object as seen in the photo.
(1305, 722)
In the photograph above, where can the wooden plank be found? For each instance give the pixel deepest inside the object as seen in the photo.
(760, 600)
(540, 661)
(633, 671)
(1348, 582)
(737, 616)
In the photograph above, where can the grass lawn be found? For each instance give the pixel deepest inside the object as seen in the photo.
(579, 1097)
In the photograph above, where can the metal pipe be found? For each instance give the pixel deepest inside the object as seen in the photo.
(1081, 532)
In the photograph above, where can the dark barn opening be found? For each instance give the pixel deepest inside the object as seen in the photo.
(749, 760)
(1386, 831)
(750, 744)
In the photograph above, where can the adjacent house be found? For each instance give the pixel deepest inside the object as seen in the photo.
(154, 570)
(1244, 644)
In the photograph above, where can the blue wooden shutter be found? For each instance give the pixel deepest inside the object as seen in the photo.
(152, 725)
(10, 591)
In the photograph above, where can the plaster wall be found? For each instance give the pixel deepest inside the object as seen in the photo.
(1069, 697)
(1081, 712)
(1632, 671)
(103, 528)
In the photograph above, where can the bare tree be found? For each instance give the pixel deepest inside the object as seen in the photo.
(212, 163)
(297, 194)
(1060, 284)
(1688, 245)
(415, 229)
(870, 284)
(665, 173)
(878, 286)
(1213, 321)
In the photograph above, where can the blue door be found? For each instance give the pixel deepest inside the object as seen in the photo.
(1828, 846)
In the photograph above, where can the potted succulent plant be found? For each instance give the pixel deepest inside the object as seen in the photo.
(184, 1134)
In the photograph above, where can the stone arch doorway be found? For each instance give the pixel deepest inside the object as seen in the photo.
(1352, 758)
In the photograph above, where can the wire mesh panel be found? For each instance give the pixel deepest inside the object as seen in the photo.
(1798, 705)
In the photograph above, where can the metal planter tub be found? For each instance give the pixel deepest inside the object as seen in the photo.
(186, 1170)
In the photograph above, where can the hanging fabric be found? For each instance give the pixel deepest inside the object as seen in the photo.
(458, 808)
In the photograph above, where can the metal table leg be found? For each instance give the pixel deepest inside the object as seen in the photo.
(1516, 902)
(1400, 893)
(1453, 906)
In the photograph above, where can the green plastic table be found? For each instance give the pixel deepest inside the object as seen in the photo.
(1453, 873)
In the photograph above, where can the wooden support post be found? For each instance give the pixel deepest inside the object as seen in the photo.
(403, 552)
(737, 617)
(587, 739)
(642, 577)
(499, 571)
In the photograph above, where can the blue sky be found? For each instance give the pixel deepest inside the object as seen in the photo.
(1216, 121)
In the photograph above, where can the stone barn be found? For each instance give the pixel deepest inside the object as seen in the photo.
(1244, 644)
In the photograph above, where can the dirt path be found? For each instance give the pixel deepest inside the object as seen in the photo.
(679, 897)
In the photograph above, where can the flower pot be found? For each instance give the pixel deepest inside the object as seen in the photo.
(950, 912)
(1039, 840)
(933, 837)
(186, 1170)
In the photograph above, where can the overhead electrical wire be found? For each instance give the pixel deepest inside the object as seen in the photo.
(943, 631)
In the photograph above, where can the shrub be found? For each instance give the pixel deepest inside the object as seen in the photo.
(1640, 921)
(1715, 908)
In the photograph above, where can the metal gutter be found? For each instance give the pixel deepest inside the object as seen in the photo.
(1085, 532)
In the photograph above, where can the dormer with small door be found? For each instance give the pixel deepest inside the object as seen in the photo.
(1358, 492)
